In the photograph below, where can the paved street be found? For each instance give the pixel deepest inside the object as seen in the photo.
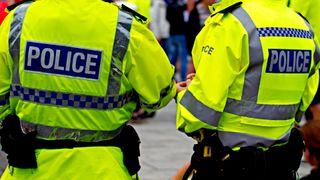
(163, 149)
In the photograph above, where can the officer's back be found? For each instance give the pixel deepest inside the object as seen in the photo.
(75, 70)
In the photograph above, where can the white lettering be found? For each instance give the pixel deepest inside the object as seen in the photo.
(62, 60)
(299, 61)
(68, 61)
(289, 61)
(74, 62)
(57, 60)
(294, 60)
(89, 63)
(289, 68)
(274, 59)
(282, 61)
(306, 61)
(33, 53)
(44, 53)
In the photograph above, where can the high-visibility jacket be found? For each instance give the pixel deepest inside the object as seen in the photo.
(143, 7)
(310, 10)
(76, 69)
(255, 71)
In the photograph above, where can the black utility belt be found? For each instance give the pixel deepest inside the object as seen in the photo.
(21, 147)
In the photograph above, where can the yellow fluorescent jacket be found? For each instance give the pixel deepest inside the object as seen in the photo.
(80, 69)
(255, 71)
(310, 10)
(76, 69)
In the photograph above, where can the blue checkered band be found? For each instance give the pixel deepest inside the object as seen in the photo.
(70, 100)
(164, 92)
(285, 32)
(4, 99)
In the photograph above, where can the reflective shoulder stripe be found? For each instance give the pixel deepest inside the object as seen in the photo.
(164, 92)
(248, 106)
(58, 133)
(261, 111)
(316, 60)
(316, 55)
(14, 39)
(4, 99)
(120, 46)
(253, 74)
(70, 100)
(200, 110)
(237, 139)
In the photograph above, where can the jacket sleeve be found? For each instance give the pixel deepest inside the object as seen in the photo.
(217, 57)
(311, 87)
(308, 95)
(149, 69)
(5, 70)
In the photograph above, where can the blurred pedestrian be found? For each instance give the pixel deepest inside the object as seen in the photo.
(159, 24)
(177, 44)
(255, 76)
(311, 136)
(196, 21)
(72, 72)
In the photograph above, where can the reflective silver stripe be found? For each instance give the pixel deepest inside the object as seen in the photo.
(14, 39)
(312, 71)
(248, 105)
(253, 73)
(200, 110)
(316, 55)
(4, 99)
(120, 46)
(237, 139)
(58, 133)
(299, 115)
(70, 100)
(164, 92)
(261, 111)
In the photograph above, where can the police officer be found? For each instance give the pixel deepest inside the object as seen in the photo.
(311, 136)
(72, 72)
(309, 9)
(256, 73)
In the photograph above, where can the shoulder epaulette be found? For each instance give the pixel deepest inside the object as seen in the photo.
(303, 17)
(11, 7)
(135, 14)
(228, 8)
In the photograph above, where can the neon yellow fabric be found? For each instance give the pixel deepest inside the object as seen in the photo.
(89, 24)
(5, 71)
(310, 10)
(78, 163)
(146, 73)
(143, 7)
(220, 56)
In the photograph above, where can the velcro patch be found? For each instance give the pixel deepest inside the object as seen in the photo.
(288, 61)
(62, 60)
